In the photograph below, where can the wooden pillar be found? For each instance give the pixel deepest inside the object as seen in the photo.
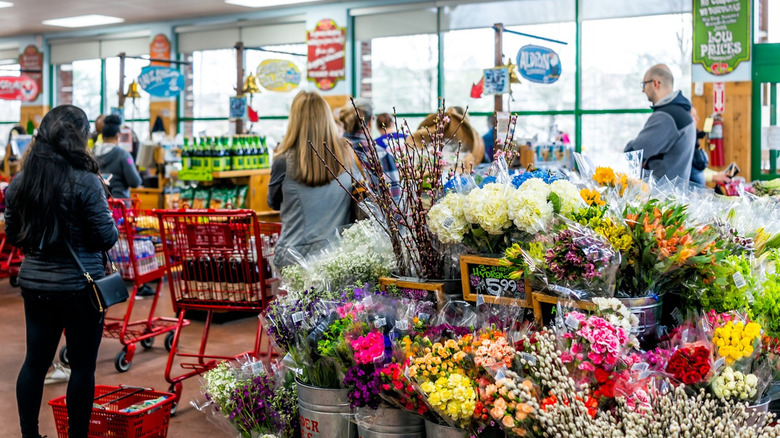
(239, 80)
(498, 99)
(736, 122)
(122, 80)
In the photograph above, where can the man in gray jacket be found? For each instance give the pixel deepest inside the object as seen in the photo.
(669, 136)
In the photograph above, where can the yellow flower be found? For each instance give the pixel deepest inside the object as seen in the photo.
(427, 386)
(604, 176)
(592, 197)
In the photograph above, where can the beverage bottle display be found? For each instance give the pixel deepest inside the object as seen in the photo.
(236, 283)
(185, 154)
(220, 283)
(234, 154)
(190, 274)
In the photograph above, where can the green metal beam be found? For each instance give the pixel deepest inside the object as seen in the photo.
(578, 76)
(440, 52)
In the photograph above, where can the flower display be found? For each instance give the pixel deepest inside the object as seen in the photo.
(736, 340)
(397, 387)
(593, 342)
(487, 207)
(579, 257)
(453, 396)
(735, 384)
(618, 235)
(363, 387)
(592, 197)
(690, 365)
(543, 175)
(508, 401)
(447, 219)
(528, 206)
(489, 349)
(369, 348)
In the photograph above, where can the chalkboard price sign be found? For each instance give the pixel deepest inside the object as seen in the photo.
(485, 277)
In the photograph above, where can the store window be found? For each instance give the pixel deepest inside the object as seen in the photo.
(606, 134)
(138, 109)
(10, 110)
(79, 84)
(468, 52)
(617, 52)
(213, 82)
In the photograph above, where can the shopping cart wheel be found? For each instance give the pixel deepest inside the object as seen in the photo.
(147, 343)
(14, 281)
(120, 363)
(169, 341)
(175, 388)
(64, 354)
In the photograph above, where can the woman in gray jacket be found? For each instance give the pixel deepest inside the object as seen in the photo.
(312, 203)
(59, 199)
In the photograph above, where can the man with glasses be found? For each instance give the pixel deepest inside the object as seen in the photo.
(669, 136)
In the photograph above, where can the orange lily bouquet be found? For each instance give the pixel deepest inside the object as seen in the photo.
(668, 249)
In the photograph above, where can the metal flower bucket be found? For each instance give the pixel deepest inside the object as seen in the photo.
(388, 422)
(433, 430)
(324, 413)
(649, 312)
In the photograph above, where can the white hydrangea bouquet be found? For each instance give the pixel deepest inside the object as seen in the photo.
(488, 219)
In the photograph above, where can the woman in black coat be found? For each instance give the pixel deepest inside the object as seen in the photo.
(59, 197)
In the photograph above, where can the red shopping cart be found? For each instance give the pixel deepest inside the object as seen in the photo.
(139, 256)
(121, 411)
(10, 261)
(218, 262)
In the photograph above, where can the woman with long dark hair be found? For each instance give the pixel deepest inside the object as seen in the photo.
(59, 199)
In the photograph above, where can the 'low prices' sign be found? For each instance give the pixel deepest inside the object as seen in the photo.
(721, 34)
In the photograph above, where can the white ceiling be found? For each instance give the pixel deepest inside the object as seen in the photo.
(25, 16)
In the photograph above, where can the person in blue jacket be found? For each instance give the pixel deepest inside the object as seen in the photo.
(668, 137)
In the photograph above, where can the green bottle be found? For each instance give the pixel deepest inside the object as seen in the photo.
(186, 160)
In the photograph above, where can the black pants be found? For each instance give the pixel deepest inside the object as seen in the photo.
(47, 314)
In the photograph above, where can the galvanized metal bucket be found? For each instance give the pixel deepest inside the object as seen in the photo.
(649, 312)
(433, 430)
(324, 413)
(388, 422)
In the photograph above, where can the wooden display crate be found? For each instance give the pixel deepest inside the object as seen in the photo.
(436, 288)
(540, 299)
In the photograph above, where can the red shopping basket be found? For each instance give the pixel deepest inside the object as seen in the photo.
(110, 416)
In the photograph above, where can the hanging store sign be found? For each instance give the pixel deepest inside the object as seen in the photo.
(160, 48)
(721, 40)
(538, 64)
(278, 75)
(326, 55)
(495, 80)
(161, 81)
(31, 64)
(21, 88)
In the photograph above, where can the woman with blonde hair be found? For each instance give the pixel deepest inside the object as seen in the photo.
(311, 201)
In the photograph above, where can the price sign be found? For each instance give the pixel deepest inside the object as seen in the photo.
(484, 276)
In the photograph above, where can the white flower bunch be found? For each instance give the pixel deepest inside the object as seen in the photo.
(614, 311)
(529, 207)
(487, 207)
(735, 384)
(569, 195)
(220, 383)
(447, 219)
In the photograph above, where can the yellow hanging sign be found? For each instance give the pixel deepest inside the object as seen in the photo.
(278, 75)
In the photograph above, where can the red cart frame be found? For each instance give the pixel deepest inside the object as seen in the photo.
(10, 261)
(218, 261)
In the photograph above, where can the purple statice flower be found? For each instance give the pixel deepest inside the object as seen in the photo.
(363, 386)
(251, 406)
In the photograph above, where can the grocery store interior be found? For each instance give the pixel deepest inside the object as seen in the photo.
(204, 91)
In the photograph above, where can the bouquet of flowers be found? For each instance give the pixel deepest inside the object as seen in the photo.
(245, 399)
(509, 401)
(736, 340)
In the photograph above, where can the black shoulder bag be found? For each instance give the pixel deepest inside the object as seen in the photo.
(108, 290)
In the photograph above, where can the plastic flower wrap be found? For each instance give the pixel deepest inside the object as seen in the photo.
(509, 401)
(453, 396)
(690, 365)
(582, 261)
(243, 398)
(567, 195)
(732, 289)
(489, 349)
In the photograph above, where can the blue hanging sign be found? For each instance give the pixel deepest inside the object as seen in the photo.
(538, 64)
(161, 81)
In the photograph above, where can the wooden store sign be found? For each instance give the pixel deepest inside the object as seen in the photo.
(326, 55)
(435, 291)
(31, 64)
(484, 277)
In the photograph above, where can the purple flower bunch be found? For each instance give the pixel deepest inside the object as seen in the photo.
(251, 406)
(578, 257)
(364, 386)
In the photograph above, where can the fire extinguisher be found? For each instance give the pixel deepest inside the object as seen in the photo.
(717, 157)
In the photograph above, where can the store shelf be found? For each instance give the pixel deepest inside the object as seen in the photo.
(240, 173)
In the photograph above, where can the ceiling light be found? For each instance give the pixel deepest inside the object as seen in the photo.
(266, 3)
(6, 4)
(83, 21)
